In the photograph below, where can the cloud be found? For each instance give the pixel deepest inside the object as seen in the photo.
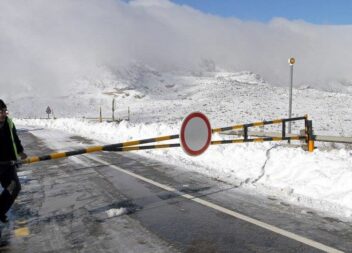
(46, 45)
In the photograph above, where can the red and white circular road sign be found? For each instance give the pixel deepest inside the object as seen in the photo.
(195, 135)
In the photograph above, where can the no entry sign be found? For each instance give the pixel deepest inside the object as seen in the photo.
(195, 135)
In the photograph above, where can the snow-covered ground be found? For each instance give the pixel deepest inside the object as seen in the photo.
(159, 101)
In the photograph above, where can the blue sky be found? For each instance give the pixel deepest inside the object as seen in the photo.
(331, 12)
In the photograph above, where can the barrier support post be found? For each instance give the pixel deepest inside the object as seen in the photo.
(310, 136)
(245, 131)
(283, 129)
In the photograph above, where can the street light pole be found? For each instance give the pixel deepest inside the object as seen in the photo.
(291, 61)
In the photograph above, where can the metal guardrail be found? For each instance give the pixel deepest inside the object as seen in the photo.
(337, 139)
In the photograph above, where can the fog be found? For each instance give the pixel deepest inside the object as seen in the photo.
(45, 46)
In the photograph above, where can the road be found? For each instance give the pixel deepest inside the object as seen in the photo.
(112, 202)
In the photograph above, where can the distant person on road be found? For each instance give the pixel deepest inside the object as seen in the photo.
(10, 150)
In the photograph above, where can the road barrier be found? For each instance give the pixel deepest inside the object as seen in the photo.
(138, 144)
(112, 147)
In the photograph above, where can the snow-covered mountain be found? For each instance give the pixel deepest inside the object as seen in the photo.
(154, 96)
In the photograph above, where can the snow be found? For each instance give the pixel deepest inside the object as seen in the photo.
(116, 212)
(319, 180)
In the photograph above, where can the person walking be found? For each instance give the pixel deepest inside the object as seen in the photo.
(10, 150)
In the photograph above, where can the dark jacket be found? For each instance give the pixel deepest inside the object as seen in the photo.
(7, 150)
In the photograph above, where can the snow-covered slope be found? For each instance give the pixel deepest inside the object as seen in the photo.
(226, 98)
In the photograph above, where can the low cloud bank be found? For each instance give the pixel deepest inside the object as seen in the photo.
(46, 46)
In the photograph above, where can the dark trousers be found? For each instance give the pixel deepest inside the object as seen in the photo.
(11, 187)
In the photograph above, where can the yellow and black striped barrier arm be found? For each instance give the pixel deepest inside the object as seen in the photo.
(123, 149)
(258, 140)
(133, 148)
(116, 148)
(160, 146)
(136, 144)
(255, 124)
(123, 146)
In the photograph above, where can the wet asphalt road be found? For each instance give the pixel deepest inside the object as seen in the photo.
(63, 208)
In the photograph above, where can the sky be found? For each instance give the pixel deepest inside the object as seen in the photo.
(329, 12)
(47, 47)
